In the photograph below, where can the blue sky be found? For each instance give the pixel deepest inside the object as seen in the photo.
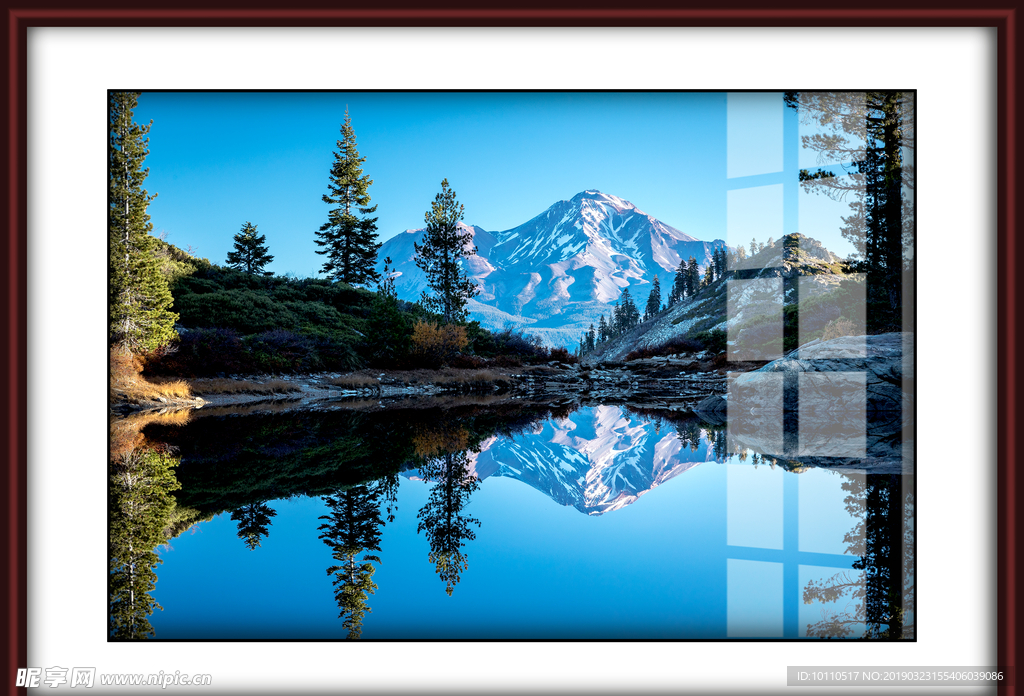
(220, 159)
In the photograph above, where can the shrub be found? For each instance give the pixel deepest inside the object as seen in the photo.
(512, 343)
(713, 340)
(387, 334)
(280, 350)
(563, 355)
(245, 311)
(467, 362)
(676, 344)
(199, 352)
(434, 346)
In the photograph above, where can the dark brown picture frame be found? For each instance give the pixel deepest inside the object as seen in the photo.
(13, 310)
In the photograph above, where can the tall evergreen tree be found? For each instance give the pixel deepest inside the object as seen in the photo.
(591, 339)
(679, 285)
(250, 252)
(692, 277)
(440, 256)
(347, 239)
(628, 314)
(873, 130)
(140, 301)
(602, 329)
(653, 300)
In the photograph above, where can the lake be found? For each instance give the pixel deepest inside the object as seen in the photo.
(505, 521)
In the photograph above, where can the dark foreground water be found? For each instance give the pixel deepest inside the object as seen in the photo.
(468, 522)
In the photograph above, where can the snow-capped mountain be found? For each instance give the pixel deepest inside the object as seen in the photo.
(560, 271)
(598, 459)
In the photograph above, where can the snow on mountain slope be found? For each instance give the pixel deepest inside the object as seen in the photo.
(567, 264)
(597, 460)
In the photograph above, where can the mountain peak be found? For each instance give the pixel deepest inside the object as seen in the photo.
(559, 271)
(595, 195)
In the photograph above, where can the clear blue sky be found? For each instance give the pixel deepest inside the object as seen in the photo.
(219, 159)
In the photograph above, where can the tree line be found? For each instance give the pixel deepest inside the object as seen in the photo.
(689, 280)
(140, 298)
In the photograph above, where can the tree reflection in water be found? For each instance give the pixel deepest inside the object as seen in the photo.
(444, 451)
(881, 600)
(353, 527)
(141, 481)
(253, 523)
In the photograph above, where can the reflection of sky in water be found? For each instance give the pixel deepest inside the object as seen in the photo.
(721, 550)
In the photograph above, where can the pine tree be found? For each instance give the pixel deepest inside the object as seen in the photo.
(753, 246)
(346, 239)
(140, 301)
(692, 277)
(591, 339)
(709, 276)
(721, 262)
(872, 130)
(440, 256)
(653, 300)
(602, 329)
(250, 253)
(679, 286)
(627, 315)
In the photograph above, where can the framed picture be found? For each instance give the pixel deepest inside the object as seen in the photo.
(564, 657)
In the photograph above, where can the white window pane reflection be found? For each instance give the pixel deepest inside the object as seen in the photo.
(753, 506)
(755, 412)
(833, 408)
(754, 598)
(753, 133)
(756, 321)
(833, 307)
(825, 520)
(753, 213)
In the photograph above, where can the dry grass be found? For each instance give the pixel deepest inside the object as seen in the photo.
(126, 433)
(128, 384)
(355, 381)
(840, 327)
(241, 386)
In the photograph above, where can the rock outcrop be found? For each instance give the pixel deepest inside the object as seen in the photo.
(847, 402)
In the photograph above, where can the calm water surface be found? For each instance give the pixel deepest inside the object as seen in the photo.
(533, 523)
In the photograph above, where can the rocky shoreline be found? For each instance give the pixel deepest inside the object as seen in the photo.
(673, 382)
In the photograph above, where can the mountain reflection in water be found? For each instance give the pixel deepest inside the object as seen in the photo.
(415, 524)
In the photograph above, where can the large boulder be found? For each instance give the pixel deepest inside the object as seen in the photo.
(852, 398)
(873, 373)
